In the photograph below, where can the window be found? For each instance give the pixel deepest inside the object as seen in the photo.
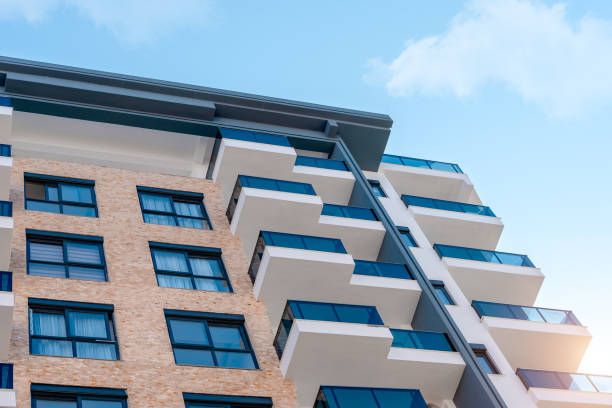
(56, 396)
(72, 329)
(376, 188)
(208, 339)
(60, 195)
(189, 267)
(65, 256)
(225, 401)
(176, 208)
(353, 397)
(442, 293)
(407, 237)
(485, 362)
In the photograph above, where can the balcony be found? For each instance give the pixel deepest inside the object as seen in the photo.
(7, 393)
(365, 397)
(347, 345)
(6, 233)
(492, 275)
(276, 205)
(453, 223)
(549, 339)
(550, 389)
(267, 155)
(428, 178)
(6, 166)
(7, 304)
(287, 266)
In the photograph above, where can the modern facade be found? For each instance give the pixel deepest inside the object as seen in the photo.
(167, 245)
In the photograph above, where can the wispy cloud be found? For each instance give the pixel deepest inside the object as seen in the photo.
(564, 68)
(133, 22)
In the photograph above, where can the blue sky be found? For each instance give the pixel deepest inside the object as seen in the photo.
(515, 91)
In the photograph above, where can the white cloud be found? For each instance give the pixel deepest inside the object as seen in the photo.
(131, 21)
(531, 47)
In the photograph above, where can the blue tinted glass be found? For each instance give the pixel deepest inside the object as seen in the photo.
(555, 316)
(234, 359)
(357, 314)
(431, 341)
(387, 158)
(82, 252)
(188, 332)
(484, 363)
(393, 271)
(402, 338)
(188, 209)
(77, 194)
(90, 274)
(156, 202)
(399, 398)
(88, 324)
(603, 384)
(332, 210)
(541, 379)
(52, 193)
(42, 206)
(494, 309)
(354, 397)
(215, 285)
(442, 166)
(193, 357)
(513, 259)
(526, 313)
(47, 324)
(40, 269)
(46, 252)
(283, 240)
(159, 219)
(226, 337)
(407, 237)
(322, 244)
(453, 252)
(482, 255)
(99, 351)
(174, 261)
(378, 191)
(418, 201)
(173, 281)
(448, 206)
(101, 404)
(191, 223)
(78, 210)
(205, 267)
(365, 268)
(43, 403)
(443, 295)
(316, 311)
(410, 161)
(61, 348)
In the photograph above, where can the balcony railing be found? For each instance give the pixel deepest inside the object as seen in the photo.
(255, 137)
(533, 314)
(5, 150)
(383, 269)
(265, 184)
(483, 255)
(294, 241)
(349, 212)
(6, 376)
(6, 209)
(336, 397)
(328, 312)
(565, 381)
(428, 164)
(447, 205)
(320, 163)
(6, 281)
(421, 340)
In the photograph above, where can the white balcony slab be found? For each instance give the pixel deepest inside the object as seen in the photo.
(239, 157)
(7, 304)
(7, 399)
(551, 398)
(493, 282)
(358, 355)
(6, 166)
(539, 345)
(265, 210)
(6, 236)
(423, 182)
(287, 273)
(458, 228)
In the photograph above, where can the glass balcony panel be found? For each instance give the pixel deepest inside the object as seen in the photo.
(412, 162)
(449, 206)
(317, 311)
(332, 210)
(444, 166)
(419, 201)
(335, 312)
(556, 316)
(402, 338)
(482, 255)
(355, 314)
(322, 244)
(6, 282)
(576, 382)
(420, 340)
(355, 397)
(453, 252)
(5, 150)
(513, 259)
(321, 163)
(603, 384)
(387, 270)
(495, 310)
(541, 379)
(527, 313)
(388, 158)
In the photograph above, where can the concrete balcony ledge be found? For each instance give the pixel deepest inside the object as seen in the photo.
(6, 237)
(8, 399)
(541, 345)
(7, 304)
(458, 228)
(426, 182)
(360, 355)
(287, 273)
(236, 157)
(6, 166)
(552, 398)
(495, 282)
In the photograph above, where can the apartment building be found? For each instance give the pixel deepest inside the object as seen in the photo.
(168, 245)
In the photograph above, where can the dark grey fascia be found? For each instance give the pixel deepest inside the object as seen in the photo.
(365, 133)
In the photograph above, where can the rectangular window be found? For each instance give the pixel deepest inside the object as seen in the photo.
(225, 401)
(60, 195)
(175, 208)
(61, 396)
(407, 236)
(207, 339)
(442, 292)
(485, 362)
(72, 329)
(65, 256)
(189, 267)
(376, 188)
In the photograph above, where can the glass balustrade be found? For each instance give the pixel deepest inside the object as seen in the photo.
(447, 205)
(360, 397)
(320, 163)
(427, 164)
(422, 340)
(533, 314)
(256, 137)
(349, 212)
(383, 269)
(483, 255)
(565, 381)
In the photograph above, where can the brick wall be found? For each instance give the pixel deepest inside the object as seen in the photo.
(146, 369)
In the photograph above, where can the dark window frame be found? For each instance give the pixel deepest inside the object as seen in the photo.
(225, 401)
(47, 180)
(75, 394)
(437, 284)
(375, 186)
(405, 231)
(61, 239)
(178, 196)
(64, 309)
(480, 350)
(197, 252)
(222, 320)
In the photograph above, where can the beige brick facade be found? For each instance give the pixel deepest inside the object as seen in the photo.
(146, 369)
